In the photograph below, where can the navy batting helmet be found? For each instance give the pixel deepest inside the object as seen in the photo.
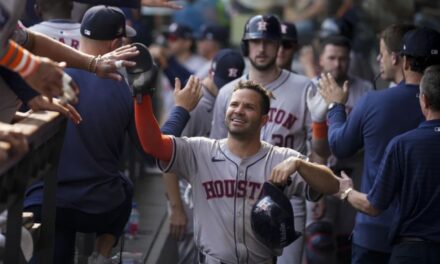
(272, 218)
(261, 27)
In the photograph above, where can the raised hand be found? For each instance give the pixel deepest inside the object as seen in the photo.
(316, 104)
(189, 96)
(331, 91)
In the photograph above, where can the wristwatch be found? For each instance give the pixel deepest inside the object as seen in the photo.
(344, 194)
(332, 105)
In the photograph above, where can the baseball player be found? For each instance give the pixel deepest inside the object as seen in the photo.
(334, 59)
(227, 175)
(226, 66)
(288, 47)
(289, 119)
(57, 22)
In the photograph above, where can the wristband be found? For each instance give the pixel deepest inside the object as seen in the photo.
(319, 130)
(20, 60)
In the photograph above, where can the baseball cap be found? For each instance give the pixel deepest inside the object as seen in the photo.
(421, 42)
(227, 66)
(179, 30)
(288, 32)
(105, 23)
(214, 32)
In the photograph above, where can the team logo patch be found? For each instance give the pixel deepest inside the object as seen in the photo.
(232, 72)
(283, 29)
(262, 26)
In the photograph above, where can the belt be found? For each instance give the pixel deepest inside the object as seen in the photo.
(416, 240)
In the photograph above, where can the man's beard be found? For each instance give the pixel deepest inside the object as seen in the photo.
(264, 67)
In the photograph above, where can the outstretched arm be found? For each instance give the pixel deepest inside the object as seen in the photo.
(319, 177)
(150, 136)
(358, 200)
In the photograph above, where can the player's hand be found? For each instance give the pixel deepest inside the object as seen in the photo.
(161, 3)
(188, 97)
(17, 141)
(316, 105)
(40, 103)
(281, 172)
(107, 66)
(345, 182)
(331, 91)
(47, 79)
(178, 223)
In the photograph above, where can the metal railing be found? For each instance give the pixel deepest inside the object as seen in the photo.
(45, 132)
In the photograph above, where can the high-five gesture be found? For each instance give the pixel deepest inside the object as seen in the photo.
(331, 91)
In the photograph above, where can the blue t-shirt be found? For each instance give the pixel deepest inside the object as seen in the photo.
(409, 174)
(376, 118)
(89, 176)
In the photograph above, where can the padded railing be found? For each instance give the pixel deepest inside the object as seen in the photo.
(44, 131)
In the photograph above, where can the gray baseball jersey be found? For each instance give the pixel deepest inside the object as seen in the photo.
(65, 31)
(289, 118)
(225, 188)
(288, 126)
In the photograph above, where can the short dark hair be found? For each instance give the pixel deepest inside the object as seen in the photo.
(336, 40)
(430, 86)
(260, 89)
(393, 36)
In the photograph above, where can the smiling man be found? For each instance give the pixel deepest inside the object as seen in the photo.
(227, 175)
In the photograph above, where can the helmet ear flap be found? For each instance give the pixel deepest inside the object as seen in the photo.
(244, 48)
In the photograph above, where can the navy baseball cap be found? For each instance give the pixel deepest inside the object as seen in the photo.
(288, 32)
(227, 66)
(214, 32)
(105, 23)
(179, 30)
(421, 43)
